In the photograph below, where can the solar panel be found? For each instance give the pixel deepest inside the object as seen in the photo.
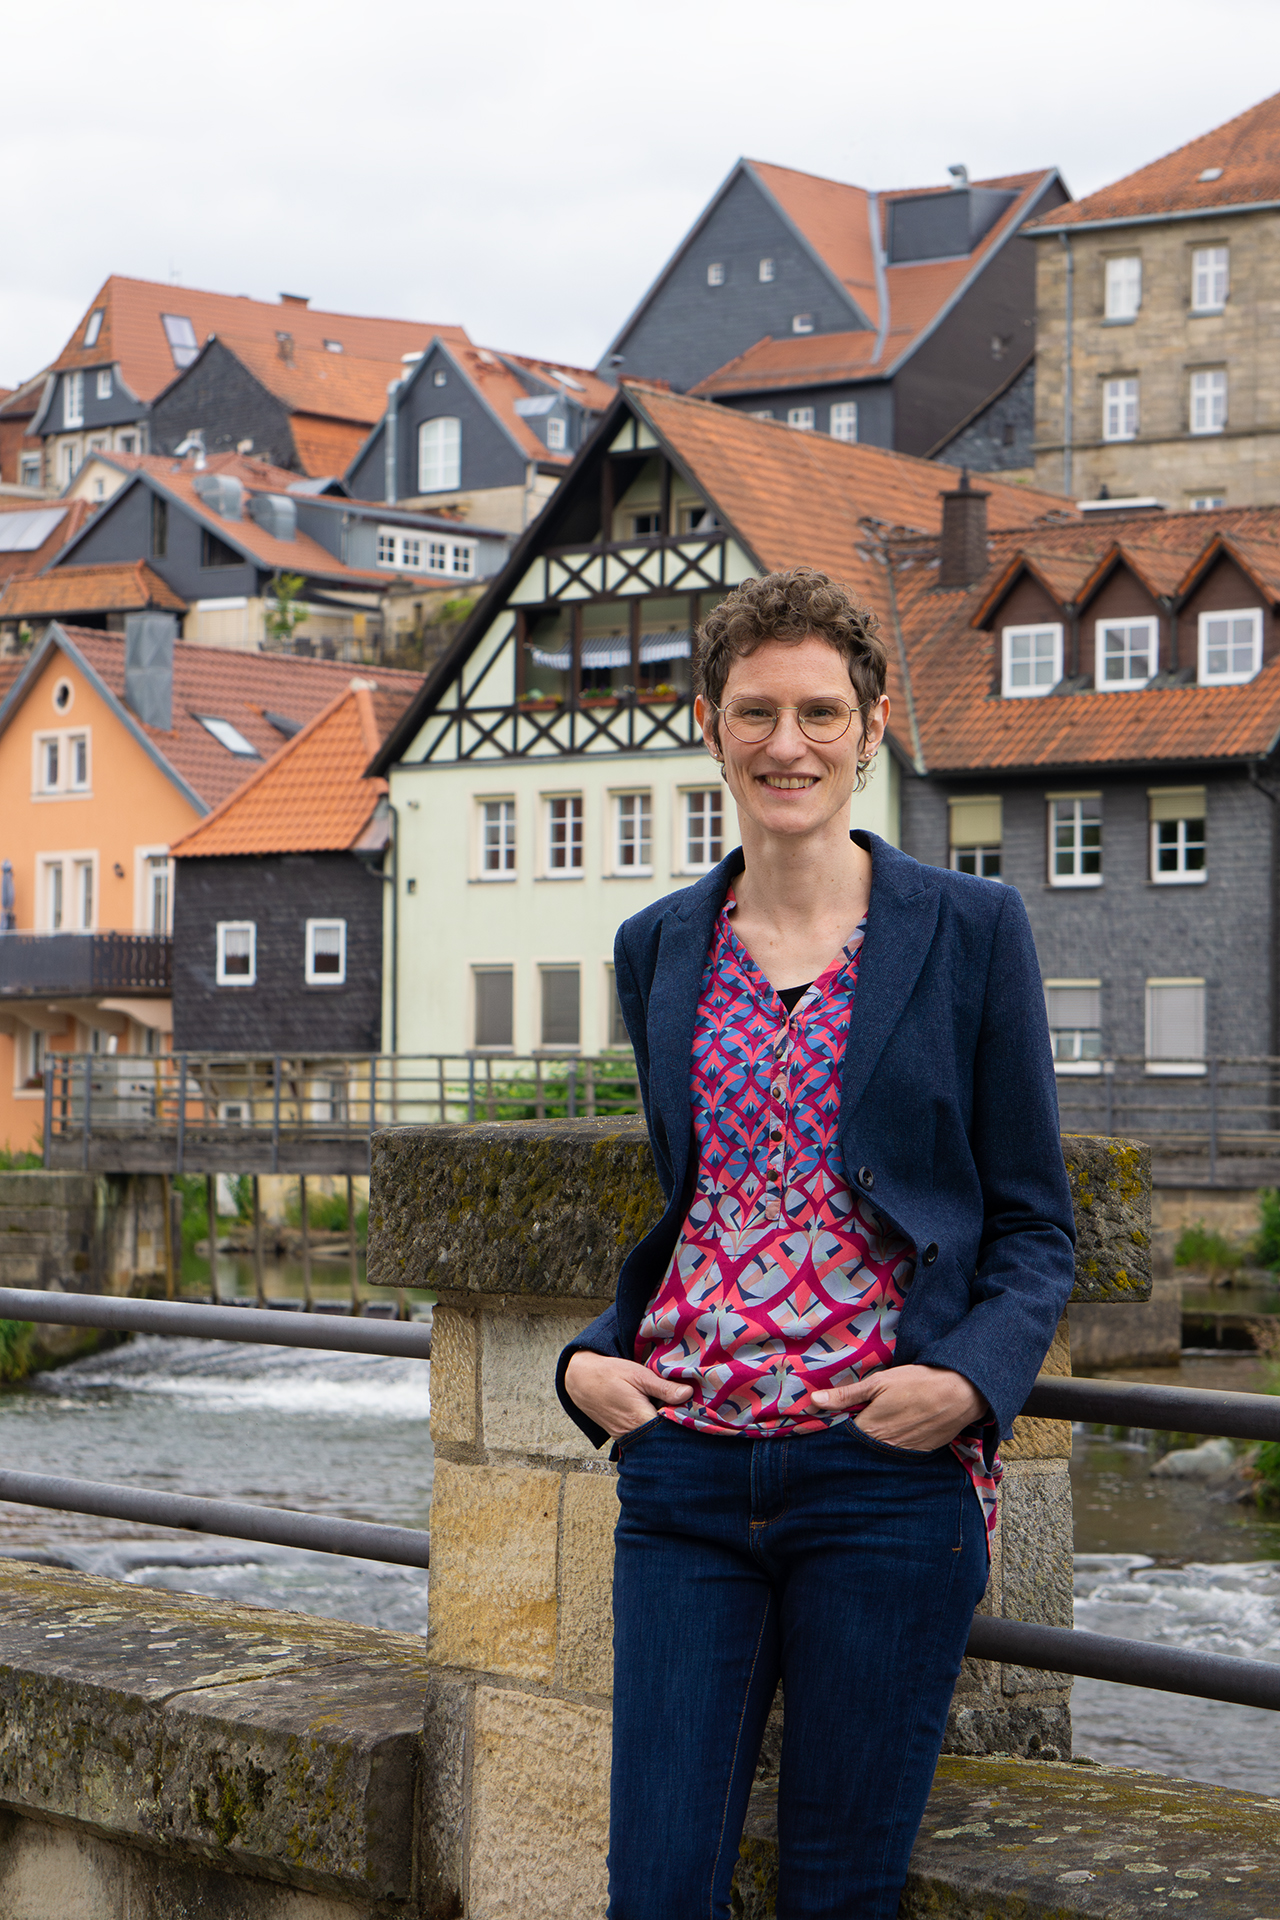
(28, 529)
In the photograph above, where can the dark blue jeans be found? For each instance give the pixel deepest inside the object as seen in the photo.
(844, 1568)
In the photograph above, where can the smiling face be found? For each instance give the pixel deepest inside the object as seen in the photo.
(790, 785)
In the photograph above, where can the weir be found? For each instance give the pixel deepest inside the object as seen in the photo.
(166, 1755)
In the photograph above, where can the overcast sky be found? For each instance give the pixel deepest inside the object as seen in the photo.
(526, 169)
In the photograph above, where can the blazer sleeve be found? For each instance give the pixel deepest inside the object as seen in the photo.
(1026, 1262)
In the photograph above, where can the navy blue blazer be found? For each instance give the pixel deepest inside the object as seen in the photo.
(948, 1115)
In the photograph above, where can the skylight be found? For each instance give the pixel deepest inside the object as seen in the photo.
(181, 335)
(228, 736)
(28, 529)
(333, 346)
(94, 327)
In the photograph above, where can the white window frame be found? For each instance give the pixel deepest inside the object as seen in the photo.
(576, 841)
(1120, 401)
(1207, 263)
(440, 454)
(1130, 680)
(802, 419)
(314, 977)
(767, 271)
(489, 967)
(70, 451)
(685, 863)
(30, 468)
(1166, 1066)
(143, 858)
(1208, 402)
(506, 843)
(624, 807)
(843, 421)
(73, 399)
(1038, 630)
(105, 383)
(66, 786)
(1181, 875)
(225, 979)
(1079, 852)
(802, 323)
(1206, 502)
(1079, 1062)
(68, 863)
(557, 433)
(715, 273)
(1123, 274)
(1229, 679)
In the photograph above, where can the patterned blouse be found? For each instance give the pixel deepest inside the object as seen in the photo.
(783, 1279)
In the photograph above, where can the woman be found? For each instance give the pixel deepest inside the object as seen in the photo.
(866, 1249)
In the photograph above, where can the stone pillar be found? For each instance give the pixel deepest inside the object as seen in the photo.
(520, 1230)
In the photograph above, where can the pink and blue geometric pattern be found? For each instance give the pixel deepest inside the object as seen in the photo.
(783, 1279)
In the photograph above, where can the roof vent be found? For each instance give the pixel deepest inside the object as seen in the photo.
(295, 299)
(964, 535)
(959, 176)
(1140, 503)
(275, 513)
(148, 667)
(221, 493)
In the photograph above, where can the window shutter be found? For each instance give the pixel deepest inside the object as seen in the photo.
(976, 822)
(1075, 1006)
(1175, 1019)
(1176, 803)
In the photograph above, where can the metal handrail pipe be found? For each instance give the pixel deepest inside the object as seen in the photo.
(1132, 1663)
(228, 1519)
(401, 1339)
(1136, 1403)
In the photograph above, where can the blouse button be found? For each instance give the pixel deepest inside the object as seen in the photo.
(866, 1178)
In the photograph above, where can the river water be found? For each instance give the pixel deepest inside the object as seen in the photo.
(1157, 1559)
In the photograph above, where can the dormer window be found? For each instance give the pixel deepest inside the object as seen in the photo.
(73, 400)
(94, 327)
(1126, 653)
(1230, 647)
(104, 383)
(1032, 660)
(555, 434)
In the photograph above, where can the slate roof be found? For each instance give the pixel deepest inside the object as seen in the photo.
(1242, 156)
(240, 687)
(966, 727)
(129, 586)
(836, 220)
(313, 796)
(132, 334)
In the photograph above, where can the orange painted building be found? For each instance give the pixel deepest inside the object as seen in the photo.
(91, 799)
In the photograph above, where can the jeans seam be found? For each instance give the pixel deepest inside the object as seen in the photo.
(733, 1764)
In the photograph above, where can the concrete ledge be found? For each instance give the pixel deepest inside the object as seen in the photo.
(1018, 1839)
(261, 1744)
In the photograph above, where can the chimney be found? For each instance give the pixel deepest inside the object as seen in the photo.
(148, 667)
(284, 347)
(964, 535)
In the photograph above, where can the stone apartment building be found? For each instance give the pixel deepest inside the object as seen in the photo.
(1157, 305)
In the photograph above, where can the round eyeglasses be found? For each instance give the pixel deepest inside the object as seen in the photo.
(752, 721)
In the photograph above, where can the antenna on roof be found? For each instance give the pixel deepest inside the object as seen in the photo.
(959, 176)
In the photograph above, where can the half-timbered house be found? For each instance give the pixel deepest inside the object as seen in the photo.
(549, 780)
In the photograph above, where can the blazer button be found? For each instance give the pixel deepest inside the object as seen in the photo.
(930, 1254)
(866, 1178)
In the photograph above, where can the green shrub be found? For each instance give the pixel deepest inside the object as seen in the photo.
(327, 1213)
(16, 1161)
(15, 1349)
(1207, 1251)
(1266, 1246)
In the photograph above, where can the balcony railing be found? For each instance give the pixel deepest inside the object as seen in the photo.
(85, 963)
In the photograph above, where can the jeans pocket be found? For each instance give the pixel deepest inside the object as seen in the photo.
(626, 1440)
(858, 1434)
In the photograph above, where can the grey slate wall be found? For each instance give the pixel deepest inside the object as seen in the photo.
(121, 410)
(280, 1013)
(221, 397)
(688, 328)
(1002, 435)
(490, 457)
(875, 408)
(121, 530)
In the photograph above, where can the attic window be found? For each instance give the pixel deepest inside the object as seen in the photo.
(333, 346)
(216, 553)
(228, 736)
(439, 378)
(715, 273)
(556, 435)
(766, 271)
(1210, 173)
(94, 327)
(802, 323)
(181, 335)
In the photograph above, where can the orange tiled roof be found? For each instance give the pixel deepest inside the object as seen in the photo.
(325, 447)
(20, 566)
(312, 797)
(1242, 157)
(127, 587)
(24, 400)
(836, 221)
(491, 372)
(586, 387)
(965, 727)
(240, 687)
(339, 386)
(132, 334)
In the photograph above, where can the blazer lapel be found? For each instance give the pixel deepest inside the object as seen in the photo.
(900, 927)
(673, 1002)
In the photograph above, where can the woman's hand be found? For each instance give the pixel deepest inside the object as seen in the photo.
(915, 1407)
(619, 1395)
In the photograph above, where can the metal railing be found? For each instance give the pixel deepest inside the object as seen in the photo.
(1215, 1117)
(38, 963)
(1212, 1676)
(242, 1112)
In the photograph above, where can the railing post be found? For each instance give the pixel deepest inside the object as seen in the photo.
(304, 1207)
(357, 1305)
(275, 1114)
(1213, 1120)
(572, 1089)
(182, 1109)
(471, 1089)
(48, 1110)
(588, 1068)
(440, 1077)
(259, 1280)
(88, 1098)
(1109, 1077)
(211, 1216)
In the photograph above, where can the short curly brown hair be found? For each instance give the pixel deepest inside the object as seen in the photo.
(789, 606)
